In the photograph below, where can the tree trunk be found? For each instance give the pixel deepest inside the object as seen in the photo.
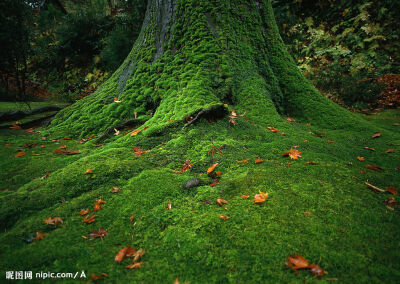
(197, 55)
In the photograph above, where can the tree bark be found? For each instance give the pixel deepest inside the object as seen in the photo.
(196, 55)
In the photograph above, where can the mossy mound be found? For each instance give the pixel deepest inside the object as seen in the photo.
(348, 228)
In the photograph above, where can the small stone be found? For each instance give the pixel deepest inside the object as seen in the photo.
(193, 183)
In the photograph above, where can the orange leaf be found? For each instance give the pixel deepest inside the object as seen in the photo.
(289, 119)
(390, 150)
(66, 138)
(20, 154)
(40, 235)
(245, 196)
(15, 127)
(376, 135)
(95, 277)
(221, 202)
(361, 159)
(296, 262)
(100, 201)
(273, 129)
(83, 212)
(374, 168)
(258, 161)
(169, 206)
(331, 141)
(137, 254)
(64, 152)
(97, 207)
(134, 265)
(316, 270)
(214, 183)
(62, 147)
(130, 251)
(260, 197)
(369, 148)
(138, 151)
(134, 133)
(391, 202)
(211, 168)
(120, 255)
(53, 221)
(89, 171)
(89, 219)
(293, 154)
(391, 189)
(223, 217)
(243, 162)
(100, 233)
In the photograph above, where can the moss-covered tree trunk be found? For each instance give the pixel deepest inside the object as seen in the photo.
(195, 55)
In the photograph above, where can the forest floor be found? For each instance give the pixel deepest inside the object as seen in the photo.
(318, 205)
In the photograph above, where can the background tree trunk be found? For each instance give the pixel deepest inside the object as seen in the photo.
(196, 55)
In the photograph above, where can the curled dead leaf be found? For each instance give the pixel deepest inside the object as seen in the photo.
(258, 161)
(135, 265)
(317, 270)
(53, 221)
(391, 189)
(293, 154)
(115, 189)
(120, 255)
(89, 219)
(390, 150)
(221, 201)
(369, 148)
(39, 236)
(376, 135)
(245, 196)
(20, 154)
(361, 159)
(296, 262)
(89, 171)
(83, 212)
(273, 129)
(134, 133)
(243, 162)
(212, 168)
(223, 217)
(374, 168)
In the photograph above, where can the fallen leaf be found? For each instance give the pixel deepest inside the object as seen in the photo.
(100, 201)
(296, 262)
(214, 183)
(211, 168)
(391, 189)
(139, 152)
(391, 202)
(307, 213)
(100, 233)
(331, 141)
(63, 147)
(361, 159)
(293, 154)
(89, 219)
(116, 100)
(390, 150)
(369, 148)
(134, 133)
(376, 135)
(221, 202)
(260, 197)
(134, 265)
(20, 154)
(97, 207)
(95, 277)
(317, 270)
(89, 171)
(223, 217)
(245, 196)
(137, 254)
(290, 119)
(15, 127)
(243, 162)
(83, 212)
(65, 152)
(169, 206)
(116, 132)
(40, 236)
(53, 221)
(373, 187)
(120, 255)
(321, 135)
(273, 129)
(374, 168)
(258, 161)
(115, 189)
(186, 166)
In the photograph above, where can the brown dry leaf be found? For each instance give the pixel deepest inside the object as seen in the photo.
(245, 196)
(211, 168)
(258, 161)
(138, 254)
(186, 166)
(243, 162)
(139, 152)
(63, 147)
(223, 217)
(307, 213)
(135, 265)
(97, 207)
(39, 236)
(376, 135)
(95, 277)
(296, 262)
(169, 206)
(293, 154)
(20, 154)
(89, 219)
(273, 129)
(390, 150)
(391, 202)
(100, 233)
(115, 189)
(369, 148)
(89, 171)
(331, 141)
(391, 189)
(130, 251)
(374, 168)
(317, 270)
(134, 133)
(361, 159)
(214, 183)
(221, 201)
(53, 221)
(375, 188)
(83, 212)
(65, 152)
(120, 255)
(15, 127)
(100, 201)
(321, 135)
(290, 119)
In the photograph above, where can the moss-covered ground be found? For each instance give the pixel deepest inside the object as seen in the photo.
(322, 211)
